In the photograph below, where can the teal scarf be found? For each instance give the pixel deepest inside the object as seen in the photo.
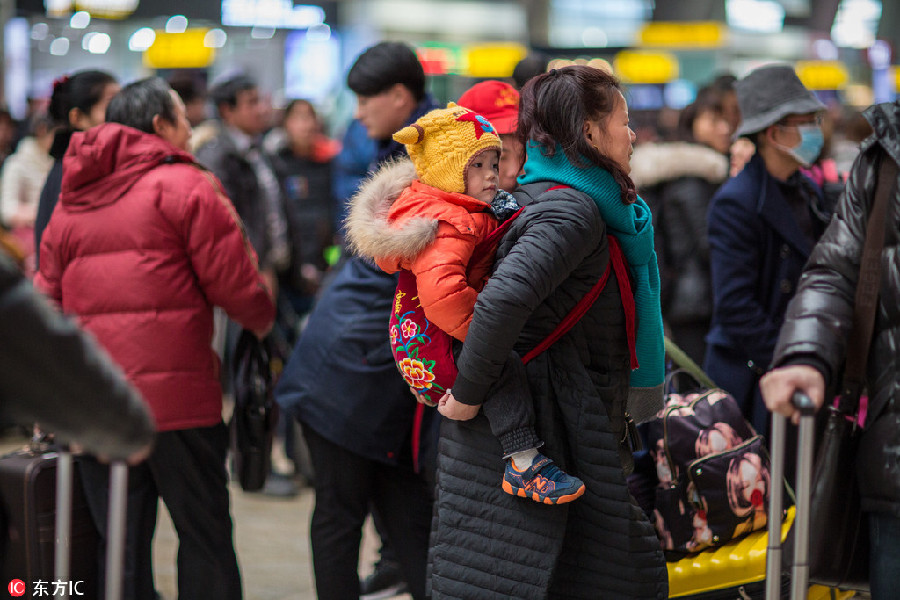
(632, 225)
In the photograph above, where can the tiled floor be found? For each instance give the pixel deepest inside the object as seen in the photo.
(272, 540)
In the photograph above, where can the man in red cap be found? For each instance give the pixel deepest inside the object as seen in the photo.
(498, 102)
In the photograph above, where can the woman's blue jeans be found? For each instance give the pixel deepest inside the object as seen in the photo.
(884, 561)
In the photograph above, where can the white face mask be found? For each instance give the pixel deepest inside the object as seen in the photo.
(811, 141)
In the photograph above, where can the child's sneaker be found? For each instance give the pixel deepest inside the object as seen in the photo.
(542, 482)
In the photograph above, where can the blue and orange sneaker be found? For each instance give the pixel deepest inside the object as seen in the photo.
(542, 482)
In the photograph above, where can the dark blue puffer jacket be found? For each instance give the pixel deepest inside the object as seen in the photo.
(341, 379)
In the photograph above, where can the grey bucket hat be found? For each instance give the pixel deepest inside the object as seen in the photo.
(768, 94)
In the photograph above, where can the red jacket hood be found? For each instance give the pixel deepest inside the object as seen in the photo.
(102, 163)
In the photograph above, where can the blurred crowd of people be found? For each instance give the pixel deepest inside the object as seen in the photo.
(138, 210)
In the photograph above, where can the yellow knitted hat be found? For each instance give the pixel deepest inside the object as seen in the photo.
(442, 143)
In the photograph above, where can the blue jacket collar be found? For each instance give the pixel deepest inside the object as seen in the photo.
(772, 206)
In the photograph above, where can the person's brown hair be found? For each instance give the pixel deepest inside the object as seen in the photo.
(709, 99)
(553, 108)
(294, 104)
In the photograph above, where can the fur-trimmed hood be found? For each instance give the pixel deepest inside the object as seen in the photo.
(654, 163)
(369, 234)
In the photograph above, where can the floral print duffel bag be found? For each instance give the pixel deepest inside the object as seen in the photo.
(713, 472)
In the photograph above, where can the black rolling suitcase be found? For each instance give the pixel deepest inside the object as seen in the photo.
(52, 544)
(28, 501)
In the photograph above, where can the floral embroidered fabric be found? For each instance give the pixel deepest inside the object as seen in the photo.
(423, 352)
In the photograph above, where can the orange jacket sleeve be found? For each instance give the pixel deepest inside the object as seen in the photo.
(444, 292)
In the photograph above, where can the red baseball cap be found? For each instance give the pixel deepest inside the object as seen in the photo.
(496, 101)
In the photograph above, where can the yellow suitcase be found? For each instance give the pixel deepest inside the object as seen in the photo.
(737, 563)
(732, 565)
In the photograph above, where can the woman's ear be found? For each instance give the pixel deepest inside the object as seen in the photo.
(593, 133)
(77, 119)
(159, 125)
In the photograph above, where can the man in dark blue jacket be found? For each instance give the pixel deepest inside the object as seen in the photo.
(366, 433)
(763, 224)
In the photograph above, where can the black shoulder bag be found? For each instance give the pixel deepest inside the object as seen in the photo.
(255, 412)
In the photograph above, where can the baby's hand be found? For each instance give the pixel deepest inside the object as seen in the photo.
(420, 398)
(452, 408)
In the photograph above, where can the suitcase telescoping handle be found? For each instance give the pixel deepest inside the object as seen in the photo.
(800, 568)
(115, 527)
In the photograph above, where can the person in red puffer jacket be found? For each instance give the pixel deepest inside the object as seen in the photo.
(141, 247)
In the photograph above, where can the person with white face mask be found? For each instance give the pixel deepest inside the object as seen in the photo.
(811, 141)
(762, 225)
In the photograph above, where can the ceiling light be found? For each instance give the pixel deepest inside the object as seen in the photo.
(177, 24)
(594, 37)
(59, 47)
(759, 16)
(40, 31)
(80, 20)
(262, 33)
(319, 33)
(98, 43)
(215, 38)
(855, 23)
(141, 39)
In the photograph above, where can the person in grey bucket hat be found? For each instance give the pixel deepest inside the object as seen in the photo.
(769, 94)
(762, 225)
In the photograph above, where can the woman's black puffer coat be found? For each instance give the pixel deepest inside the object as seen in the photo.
(487, 544)
(820, 315)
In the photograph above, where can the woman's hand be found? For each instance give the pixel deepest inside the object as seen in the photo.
(452, 408)
(779, 385)
(742, 150)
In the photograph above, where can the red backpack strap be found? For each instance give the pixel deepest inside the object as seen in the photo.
(492, 239)
(416, 440)
(616, 263)
(621, 268)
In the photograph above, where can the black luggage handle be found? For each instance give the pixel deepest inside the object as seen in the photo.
(800, 569)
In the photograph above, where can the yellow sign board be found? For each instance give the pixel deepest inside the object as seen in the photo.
(493, 60)
(179, 50)
(689, 34)
(103, 9)
(645, 67)
(822, 74)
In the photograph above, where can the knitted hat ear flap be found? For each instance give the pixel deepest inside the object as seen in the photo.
(411, 134)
